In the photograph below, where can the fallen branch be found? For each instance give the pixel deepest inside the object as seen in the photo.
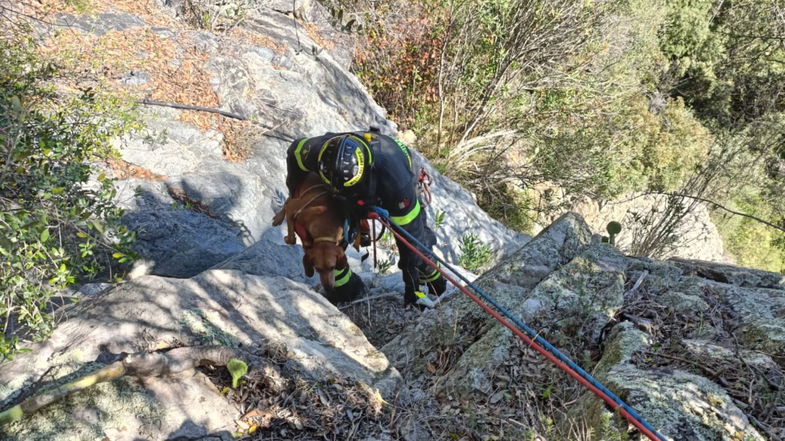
(637, 284)
(138, 365)
(197, 108)
(368, 299)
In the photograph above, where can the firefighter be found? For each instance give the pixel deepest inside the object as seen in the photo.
(367, 169)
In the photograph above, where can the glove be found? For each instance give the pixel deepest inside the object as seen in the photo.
(438, 286)
(349, 291)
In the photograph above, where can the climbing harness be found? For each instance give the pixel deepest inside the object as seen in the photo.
(519, 328)
(424, 186)
(303, 193)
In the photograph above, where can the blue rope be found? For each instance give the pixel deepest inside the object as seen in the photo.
(520, 324)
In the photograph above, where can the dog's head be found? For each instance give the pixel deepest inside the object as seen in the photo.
(324, 258)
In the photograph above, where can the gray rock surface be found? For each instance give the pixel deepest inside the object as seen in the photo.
(678, 404)
(154, 313)
(679, 348)
(288, 91)
(511, 283)
(696, 236)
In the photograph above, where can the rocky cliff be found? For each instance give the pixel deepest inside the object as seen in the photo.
(697, 348)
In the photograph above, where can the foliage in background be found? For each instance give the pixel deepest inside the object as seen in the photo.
(400, 65)
(55, 228)
(600, 99)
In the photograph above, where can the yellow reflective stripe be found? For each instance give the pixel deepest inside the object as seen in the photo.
(368, 150)
(405, 219)
(433, 275)
(420, 294)
(360, 169)
(297, 154)
(319, 160)
(341, 280)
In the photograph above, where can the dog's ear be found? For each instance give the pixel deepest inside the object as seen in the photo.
(307, 265)
(341, 263)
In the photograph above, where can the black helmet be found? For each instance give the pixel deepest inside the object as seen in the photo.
(344, 161)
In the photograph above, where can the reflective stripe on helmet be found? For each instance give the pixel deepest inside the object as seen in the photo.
(408, 217)
(319, 159)
(298, 154)
(337, 167)
(360, 168)
(342, 277)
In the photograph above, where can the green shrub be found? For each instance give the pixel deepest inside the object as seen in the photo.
(56, 225)
(474, 254)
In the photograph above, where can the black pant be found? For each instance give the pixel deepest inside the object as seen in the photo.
(412, 265)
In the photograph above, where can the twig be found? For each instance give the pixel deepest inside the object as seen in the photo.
(714, 374)
(368, 299)
(22, 14)
(197, 108)
(294, 19)
(637, 284)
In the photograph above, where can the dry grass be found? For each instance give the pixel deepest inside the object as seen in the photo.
(280, 401)
(313, 33)
(250, 37)
(758, 389)
(381, 319)
(173, 64)
(124, 170)
(527, 388)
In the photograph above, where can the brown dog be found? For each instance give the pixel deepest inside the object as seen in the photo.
(316, 218)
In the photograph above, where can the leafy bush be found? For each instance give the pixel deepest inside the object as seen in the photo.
(56, 226)
(398, 62)
(474, 254)
(559, 101)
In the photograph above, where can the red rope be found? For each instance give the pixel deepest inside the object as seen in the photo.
(571, 372)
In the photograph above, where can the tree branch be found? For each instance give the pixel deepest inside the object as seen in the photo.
(724, 208)
(139, 365)
(197, 108)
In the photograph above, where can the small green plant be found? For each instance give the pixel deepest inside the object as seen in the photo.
(384, 265)
(237, 368)
(474, 254)
(439, 219)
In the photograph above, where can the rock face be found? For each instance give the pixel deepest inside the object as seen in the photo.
(696, 347)
(218, 307)
(202, 209)
(696, 236)
(678, 347)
